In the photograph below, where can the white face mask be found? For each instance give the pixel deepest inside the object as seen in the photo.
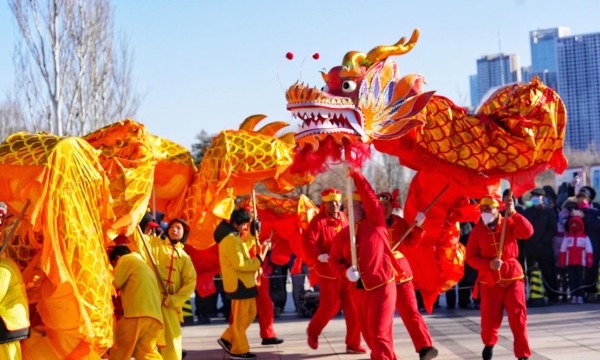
(487, 217)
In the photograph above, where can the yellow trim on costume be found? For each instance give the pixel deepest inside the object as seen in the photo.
(332, 197)
(489, 201)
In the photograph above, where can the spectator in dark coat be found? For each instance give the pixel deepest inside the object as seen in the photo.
(539, 248)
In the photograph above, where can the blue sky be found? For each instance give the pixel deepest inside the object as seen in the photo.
(207, 65)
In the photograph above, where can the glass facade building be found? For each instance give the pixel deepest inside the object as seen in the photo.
(578, 61)
(494, 71)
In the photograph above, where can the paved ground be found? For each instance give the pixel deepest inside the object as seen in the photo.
(555, 332)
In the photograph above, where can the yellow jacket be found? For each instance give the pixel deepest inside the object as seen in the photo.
(176, 269)
(14, 307)
(237, 267)
(139, 287)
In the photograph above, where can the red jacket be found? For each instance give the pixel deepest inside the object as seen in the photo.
(317, 240)
(397, 226)
(373, 252)
(576, 247)
(482, 248)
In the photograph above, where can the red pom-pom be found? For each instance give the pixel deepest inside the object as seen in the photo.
(289, 56)
(316, 56)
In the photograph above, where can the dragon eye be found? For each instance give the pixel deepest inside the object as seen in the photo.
(325, 88)
(348, 86)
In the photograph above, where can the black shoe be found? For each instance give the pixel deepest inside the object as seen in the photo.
(243, 356)
(183, 354)
(523, 358)
(487, 352)
(226, 345)
(204, 320)
(271, 341)
(428, 353)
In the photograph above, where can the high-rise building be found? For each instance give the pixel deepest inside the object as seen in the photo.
(543, 48)
(543, 55)
(494, 71)
(578, 60)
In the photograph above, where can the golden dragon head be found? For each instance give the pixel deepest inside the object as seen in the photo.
(363, 99)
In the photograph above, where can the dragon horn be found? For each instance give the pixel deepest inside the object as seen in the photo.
(272, 128)
(288, 138)
(351, 64)
(251, 122)
(382, 52)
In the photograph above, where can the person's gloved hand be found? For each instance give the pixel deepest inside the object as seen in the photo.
(420, 219)
(255, 227)
(323, 258)
(167, 302)
(352, 274)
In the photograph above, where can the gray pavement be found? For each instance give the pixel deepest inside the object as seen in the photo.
(556, 332)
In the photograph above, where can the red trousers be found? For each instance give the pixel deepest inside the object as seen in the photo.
(494, 299)
(264, 308)
(333, 294)
(376, 319)
(406, 304)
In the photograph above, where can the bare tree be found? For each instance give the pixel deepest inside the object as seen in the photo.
(388, 174)
(71, 76)
(11, 119)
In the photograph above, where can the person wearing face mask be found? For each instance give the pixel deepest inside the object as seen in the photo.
(591, 221)
(539, 249)
(500, 276)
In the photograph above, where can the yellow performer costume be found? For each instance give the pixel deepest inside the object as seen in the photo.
(179, 276)
(137, 333)
(14, 310)
(238, 271)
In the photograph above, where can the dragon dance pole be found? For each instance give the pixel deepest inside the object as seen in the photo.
(154, 265)
(14, 227)
(351, 215)
(412, 226)
(257, 234)
(503, 233)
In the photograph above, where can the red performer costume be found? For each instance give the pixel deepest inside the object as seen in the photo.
(264, 305)
(374, 276)
(406, 300)
(333, 289)
(500, 274)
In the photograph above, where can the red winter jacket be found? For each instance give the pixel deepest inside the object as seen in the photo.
(576, 248)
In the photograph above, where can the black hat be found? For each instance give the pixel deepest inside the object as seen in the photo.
(588, 192)
(549, 192)
(146, 219)
(537, 192)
